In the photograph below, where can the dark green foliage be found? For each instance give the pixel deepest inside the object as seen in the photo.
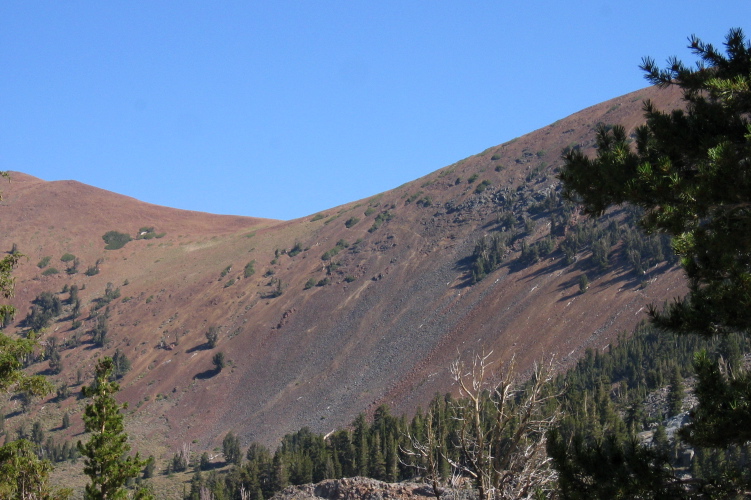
(107, 461)
(63, 392)
(225, 271)
(472, 178)
(110, 293)
(231, 448)
(43, 263)
(425, 201)
(323, 282)
(46, 306)
(120, 364)
(331, 219)
(317, 217)
(55, 361)
(488, 254)
(50, 271)
(506, 220)
(296, 249)
(412, 198)
(380, 219)
(369, 211)
(212, 337)
(340, 245)
(330, 253)
(73, 267)
(100, 330)
(612, 469)
(37, 433)
(600, 252)
(72, 294)
(218, 361)
(67, 257)
(249, 269)
(205, 462)
(277, 291)
(536, 171)
(675, 397)
(115, 240)
(332, 266)
(349, 278)
(531, 254)
(310, 283)
(583, 283)
(482, 186)
(351, 222)
(180, 461)
(66, 420)
(724, 409)
(608, 242)
(150, 467)
(23, 475)
(690, 174)
(635, 366)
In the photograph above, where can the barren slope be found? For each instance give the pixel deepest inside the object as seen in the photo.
(398, 306)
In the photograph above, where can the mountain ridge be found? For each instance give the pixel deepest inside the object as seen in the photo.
(399, 304)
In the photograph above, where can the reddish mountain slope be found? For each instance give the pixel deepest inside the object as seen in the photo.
(398, 306)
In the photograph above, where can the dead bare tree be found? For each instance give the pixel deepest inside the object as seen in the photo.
(244, 494)
(205, 493)
(503, 426)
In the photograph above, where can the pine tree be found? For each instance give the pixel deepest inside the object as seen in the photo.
(675, 396)
(279, 472)
(231, 449)
(360, 441)
(24, 476)
(690, 173)
(218, 361)
(106, 453)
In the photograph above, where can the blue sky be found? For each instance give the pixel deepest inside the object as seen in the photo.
(282, 109)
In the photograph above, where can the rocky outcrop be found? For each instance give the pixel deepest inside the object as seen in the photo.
(361, 488)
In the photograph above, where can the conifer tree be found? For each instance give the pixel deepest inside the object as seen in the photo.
(279, 472)
(691, 174)
(675, 396)
(360, 441)
(231, 448)
(24, 476)
(106, 461)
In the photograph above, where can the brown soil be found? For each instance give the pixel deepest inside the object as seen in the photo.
(398, 309)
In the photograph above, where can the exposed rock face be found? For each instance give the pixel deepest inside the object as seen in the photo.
(361, 488)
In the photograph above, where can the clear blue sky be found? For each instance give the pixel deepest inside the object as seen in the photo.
(281, 109)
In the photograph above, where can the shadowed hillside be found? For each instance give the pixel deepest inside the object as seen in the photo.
(329, 315)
